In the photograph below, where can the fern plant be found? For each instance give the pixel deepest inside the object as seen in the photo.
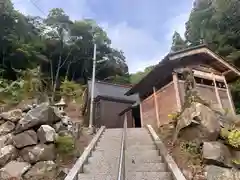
(234, 138)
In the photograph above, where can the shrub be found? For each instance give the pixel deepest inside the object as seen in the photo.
(174, 117)
(191, 147)
(236, 161)
(234, 138)
(65, 144)
(71, 90)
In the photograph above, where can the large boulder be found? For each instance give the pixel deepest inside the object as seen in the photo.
(7, 154)
(42, 170)
(46, 134)
(40, 152)
(220, 173)
(14, 170)
(42, 114)
(4, 140)
(235, 154)
(203, 119)
(216, 153)
(6, 128)
(209, 120)
(25, 138)
(14, 115)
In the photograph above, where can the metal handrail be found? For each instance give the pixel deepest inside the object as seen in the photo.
(121, 167)
(78, 166)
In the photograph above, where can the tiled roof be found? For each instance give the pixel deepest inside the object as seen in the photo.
(111, 90)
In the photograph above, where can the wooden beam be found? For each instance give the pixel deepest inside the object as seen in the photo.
(230, 97)
(141, 114)
(207, 75)
(216, 92)
(226, 72)
(156, 107)
(177, 93)
(204, 75)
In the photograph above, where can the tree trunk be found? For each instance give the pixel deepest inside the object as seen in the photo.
(56, 78)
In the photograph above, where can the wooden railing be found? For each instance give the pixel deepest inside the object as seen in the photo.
(121, 166)
(78, 166)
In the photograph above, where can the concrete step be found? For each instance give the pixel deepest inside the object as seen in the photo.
(109, 144)
(141, 132)
(148, 176)
(144, 158)
(113, 158)
(102, 167)
(142, 152)
(146, 167)
(141, 140)
(113, 131)
(147, 143)
(150, 160)
(111, 135)
(103, 148)
(136, 129)
(110, 140)
(96, 177)
(141, 147)
(108, 147)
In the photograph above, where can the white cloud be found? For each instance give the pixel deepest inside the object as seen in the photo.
(177, 24)
(140, 48)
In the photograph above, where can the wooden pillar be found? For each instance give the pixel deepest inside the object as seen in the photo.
(141, 114)
(216, 91)
(156, 106)
(229, 97)
(176, 87)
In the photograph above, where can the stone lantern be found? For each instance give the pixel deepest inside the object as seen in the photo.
(61, 105)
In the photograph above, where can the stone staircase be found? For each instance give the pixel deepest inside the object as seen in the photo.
(103, 164)
(142, 160)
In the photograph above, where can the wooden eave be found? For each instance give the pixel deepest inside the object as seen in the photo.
(114, 99)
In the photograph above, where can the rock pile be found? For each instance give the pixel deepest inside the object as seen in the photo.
(27, 138)
(203, 125)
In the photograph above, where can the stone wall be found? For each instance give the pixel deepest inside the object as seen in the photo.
(27, 141)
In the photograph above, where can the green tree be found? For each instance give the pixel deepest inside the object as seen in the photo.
(216, 23)
(177, 42)
(56, 48)
(136, 77)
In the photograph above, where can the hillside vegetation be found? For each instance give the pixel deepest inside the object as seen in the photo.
(37, 54)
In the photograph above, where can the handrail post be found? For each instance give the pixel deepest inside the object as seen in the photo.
(121, 167)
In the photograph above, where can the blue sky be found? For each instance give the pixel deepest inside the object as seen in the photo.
(141, 28)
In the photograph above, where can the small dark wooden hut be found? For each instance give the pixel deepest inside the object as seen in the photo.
(109, 103)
